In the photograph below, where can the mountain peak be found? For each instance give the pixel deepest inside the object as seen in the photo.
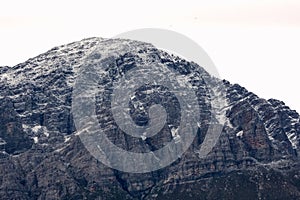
(43, 157)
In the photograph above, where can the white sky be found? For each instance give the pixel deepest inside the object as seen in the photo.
(255, 43)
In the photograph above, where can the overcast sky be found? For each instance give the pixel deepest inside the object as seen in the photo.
(255, 43)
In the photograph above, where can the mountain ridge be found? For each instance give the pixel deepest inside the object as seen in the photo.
(43, 158)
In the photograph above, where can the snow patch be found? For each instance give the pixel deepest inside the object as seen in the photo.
(149, 91)
(35, 129)
(293, 139)
(240, 134)
(143, 137)
(175, 135)
(24, 126)
(67, 138)
(177, 139)
(46, 132)
(199, 124)
(59, 150)
(35, 139)
(219, 105)
(174, 132)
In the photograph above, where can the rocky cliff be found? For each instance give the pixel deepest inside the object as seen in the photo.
(42, 156)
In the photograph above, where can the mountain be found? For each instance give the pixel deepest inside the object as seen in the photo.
(42, 155)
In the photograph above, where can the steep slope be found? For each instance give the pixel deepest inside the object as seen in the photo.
(42, 156)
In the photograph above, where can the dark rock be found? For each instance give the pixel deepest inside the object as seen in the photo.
(41, 157)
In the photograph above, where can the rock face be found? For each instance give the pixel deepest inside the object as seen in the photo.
(42, 156)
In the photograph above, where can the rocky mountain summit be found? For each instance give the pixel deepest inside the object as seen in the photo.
(43, 157)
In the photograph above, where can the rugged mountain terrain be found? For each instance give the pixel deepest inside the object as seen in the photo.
(42, 156)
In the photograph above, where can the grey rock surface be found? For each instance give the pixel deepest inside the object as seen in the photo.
(42, 156)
